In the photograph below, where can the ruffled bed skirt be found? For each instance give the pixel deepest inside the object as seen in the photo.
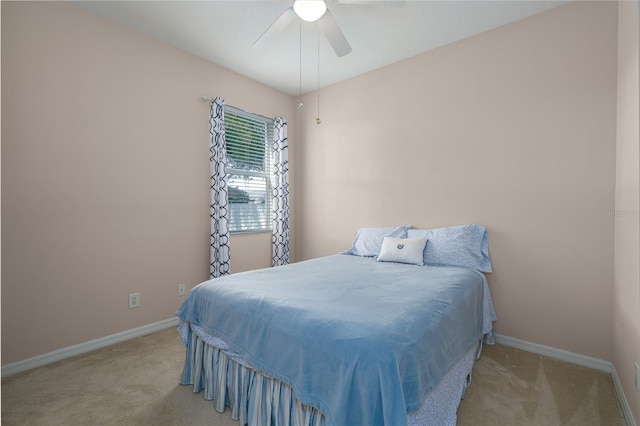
(259, 400)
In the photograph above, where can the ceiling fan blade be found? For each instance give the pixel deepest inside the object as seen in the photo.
(373, 2)
(276, 28)
(334, 34)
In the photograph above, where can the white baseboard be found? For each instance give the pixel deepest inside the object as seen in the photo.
(582, 360)
(69, 351)
(555, 353)
(622, 399)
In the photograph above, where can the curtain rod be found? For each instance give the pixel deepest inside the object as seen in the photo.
(208, 99)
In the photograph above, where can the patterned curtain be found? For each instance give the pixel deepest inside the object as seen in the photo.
(280, 237)
(218, 210)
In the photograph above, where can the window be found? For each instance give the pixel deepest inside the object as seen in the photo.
(248, 140)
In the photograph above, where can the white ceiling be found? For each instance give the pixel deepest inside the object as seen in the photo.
(223, 32)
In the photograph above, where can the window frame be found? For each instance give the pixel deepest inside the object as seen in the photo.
(268, 215)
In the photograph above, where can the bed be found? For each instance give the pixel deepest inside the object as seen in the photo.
(351, 338)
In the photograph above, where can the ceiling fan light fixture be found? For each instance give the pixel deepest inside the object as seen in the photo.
(310, 10)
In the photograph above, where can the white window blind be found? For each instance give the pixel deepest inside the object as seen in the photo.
(248, 141)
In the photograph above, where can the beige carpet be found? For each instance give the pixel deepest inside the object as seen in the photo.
(136, 383)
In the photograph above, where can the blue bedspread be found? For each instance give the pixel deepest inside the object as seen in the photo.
(360, 340)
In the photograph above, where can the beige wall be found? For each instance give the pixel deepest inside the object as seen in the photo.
(514, 129)
(105, 175)
(626, 289)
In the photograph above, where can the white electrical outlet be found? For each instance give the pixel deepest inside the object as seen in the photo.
(134, 300)
(181, 289)
(637, 370)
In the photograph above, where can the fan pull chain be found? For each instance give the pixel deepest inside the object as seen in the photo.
(318, 122)
(300, 105)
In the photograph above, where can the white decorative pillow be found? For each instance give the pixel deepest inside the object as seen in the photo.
(403, 250)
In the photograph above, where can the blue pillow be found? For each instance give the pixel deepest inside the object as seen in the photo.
(368, 241)
(463, 245)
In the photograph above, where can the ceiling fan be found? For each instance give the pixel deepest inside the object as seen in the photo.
(317, 10)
